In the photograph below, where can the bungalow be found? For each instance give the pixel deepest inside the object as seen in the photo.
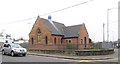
(50, 35)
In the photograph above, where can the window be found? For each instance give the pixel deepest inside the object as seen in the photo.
(61, 40)
(32, 40)
(66, 41)
(81, 41)
(85, 42)
(58, 40)
(39, 38)
(55, 41)
(46, 40)
(69, 41)
(5, 45)
(38, 31)
(6, 41)
(39, 35)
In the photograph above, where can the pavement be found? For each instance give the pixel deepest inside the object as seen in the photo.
(99, 57)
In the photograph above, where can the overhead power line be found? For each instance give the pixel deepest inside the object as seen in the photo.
(66, 8)
(18, 21)
(48, 13)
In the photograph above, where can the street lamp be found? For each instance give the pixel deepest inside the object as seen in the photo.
(108, 22)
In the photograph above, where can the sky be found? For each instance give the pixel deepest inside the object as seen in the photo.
(13, 15)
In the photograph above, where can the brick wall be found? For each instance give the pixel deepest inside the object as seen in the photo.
(51, 45)
(83, 33)
(44, 32)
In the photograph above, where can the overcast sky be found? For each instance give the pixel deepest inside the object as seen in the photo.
(93, 14)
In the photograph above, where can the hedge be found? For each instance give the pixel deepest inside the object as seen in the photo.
(94, 52)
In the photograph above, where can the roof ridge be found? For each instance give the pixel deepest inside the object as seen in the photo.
(53, 21)
(58, 22)
(74, 25)
(44, 19)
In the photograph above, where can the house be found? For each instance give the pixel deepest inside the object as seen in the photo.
(5, 38)
(2, 38)
(49, 35)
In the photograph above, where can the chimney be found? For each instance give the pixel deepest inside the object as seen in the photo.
(50, 18)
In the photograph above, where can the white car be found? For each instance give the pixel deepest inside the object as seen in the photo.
(13, 49)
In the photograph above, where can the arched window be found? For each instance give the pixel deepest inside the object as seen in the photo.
(55, 41)
(61, 40)
(85, 42)
(81, 41)
(39, 35)
(69, 41)
(66, 41)
(32, 39)
(46, 40)
(38, 31)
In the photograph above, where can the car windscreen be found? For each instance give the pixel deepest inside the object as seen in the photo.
(16, 46)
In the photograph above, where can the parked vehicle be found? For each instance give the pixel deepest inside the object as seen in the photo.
(13, 49)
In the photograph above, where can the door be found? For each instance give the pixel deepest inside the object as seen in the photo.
(9, 48)
(46, 40)
(6, 48)
(85, 42)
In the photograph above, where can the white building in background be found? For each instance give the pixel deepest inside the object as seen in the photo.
(19, 41)
(2, 37)
(5, 38)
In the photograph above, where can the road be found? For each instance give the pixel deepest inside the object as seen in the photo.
(33, 58)
(30, 58)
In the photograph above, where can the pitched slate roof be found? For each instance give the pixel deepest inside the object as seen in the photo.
(50, 26)
(60, 29)
(72, 31)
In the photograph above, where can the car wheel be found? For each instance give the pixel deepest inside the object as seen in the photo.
(12, 53)
(3, 52)
(24, 54)
(21, 55)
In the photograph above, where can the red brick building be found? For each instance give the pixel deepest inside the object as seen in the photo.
(49, 35)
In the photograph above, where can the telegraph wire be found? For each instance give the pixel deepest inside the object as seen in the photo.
(48, 13)
(66, 8)
(18, 21)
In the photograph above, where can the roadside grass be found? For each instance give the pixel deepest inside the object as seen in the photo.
(72, 52)
(64, 54)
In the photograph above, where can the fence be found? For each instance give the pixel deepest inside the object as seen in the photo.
(63, 46)
(59, 46)
(72, 49)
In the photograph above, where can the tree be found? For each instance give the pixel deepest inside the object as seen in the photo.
(8, 35)
(21, 38)
(90, 40)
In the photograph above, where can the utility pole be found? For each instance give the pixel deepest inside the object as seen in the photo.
(108, 25)
(108, 22)
(103, 32)
(113, 35)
